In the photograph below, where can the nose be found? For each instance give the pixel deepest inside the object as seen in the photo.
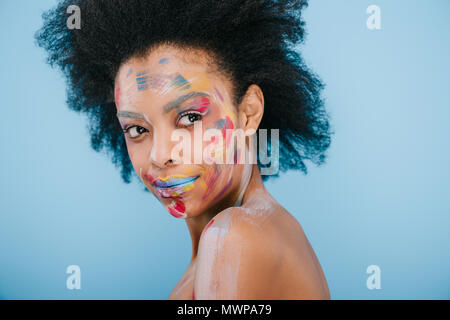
(160, 154)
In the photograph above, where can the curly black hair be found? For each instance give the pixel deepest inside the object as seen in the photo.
(253, 41)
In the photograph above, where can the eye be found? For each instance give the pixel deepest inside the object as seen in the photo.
(188, 118)
(134, 131)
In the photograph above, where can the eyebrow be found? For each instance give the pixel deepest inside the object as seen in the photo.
(167, 108)
(175, 103)
(129, 114)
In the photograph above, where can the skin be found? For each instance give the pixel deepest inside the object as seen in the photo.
(244, 244)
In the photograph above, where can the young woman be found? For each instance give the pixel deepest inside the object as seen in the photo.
(150, 72)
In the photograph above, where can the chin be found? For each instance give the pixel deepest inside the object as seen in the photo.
(177, 209)
(181, 208)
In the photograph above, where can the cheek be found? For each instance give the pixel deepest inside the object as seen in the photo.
(224, 125)
(224, 184)
(210, 177)
(138, 154)
(216, 181)
(226, 120)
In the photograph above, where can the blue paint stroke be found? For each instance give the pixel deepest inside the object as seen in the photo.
(141, 79)
(180, 82)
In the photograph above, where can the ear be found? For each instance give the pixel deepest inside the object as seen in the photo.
(251, 109)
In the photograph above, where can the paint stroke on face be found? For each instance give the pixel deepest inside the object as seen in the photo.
(230, 114)
(210, 179)
(130, 71)
(180, 82)
(199, 104)
(177, 209)
(224, 124)
(176, 191)
(173, 186)
(163, 60)
(161, 82)
(116, 97)
(218, 94)
(222, 192)
(198, 81)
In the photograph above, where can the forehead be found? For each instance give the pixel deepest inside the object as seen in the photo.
(167, 60)
(168, 72)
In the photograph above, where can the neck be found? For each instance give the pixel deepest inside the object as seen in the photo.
(251, 181)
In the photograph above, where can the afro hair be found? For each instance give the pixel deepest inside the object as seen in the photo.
(253, 41)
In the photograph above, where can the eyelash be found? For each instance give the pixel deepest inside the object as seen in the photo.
(188, 113)
(127, 129)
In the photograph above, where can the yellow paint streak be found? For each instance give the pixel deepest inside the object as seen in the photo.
(175, 176)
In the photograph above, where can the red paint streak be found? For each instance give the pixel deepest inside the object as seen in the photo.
(180, 207)
(202, 104)
(218, 93)
(207, 226)
(173, 212)
(228, 125)
(204, 101)
(116, 96)
(201, 109)
(149, 178)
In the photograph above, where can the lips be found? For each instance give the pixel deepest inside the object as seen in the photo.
(173, 186)
(173, 181)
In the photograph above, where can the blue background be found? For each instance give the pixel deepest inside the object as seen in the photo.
(382, 197)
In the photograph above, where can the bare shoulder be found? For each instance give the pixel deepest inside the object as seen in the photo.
(257, 251)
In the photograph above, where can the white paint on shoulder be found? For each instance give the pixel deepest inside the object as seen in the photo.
(215, 277)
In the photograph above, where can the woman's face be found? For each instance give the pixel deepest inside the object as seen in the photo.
(161, 101)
